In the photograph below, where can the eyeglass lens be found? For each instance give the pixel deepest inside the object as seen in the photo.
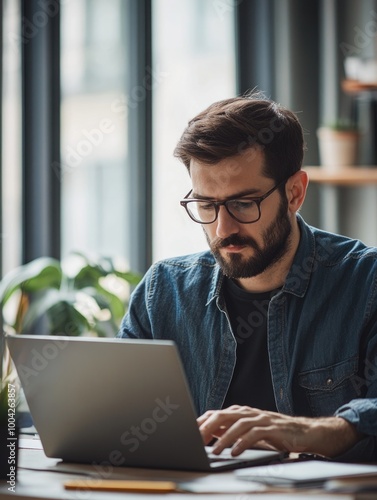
(242, 210)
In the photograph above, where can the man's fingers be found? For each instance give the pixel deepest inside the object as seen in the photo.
(249, 432)
(208, 414)
(241, 424)
(214, 423)
(265, 437)
(210, 430)
(246, 432)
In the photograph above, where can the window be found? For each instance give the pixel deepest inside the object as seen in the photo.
(94, 127)
(11, 237)
(194, 65)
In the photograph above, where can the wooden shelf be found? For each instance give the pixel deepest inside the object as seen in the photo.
(356, 87)
(345, 176)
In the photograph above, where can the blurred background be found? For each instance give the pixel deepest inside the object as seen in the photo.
(96, 93)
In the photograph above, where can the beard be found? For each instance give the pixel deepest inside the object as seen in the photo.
(276, 241)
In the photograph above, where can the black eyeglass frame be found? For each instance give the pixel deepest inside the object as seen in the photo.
(217, 204)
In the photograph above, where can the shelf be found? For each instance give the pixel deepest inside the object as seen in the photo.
(346, 176)
(356, 87)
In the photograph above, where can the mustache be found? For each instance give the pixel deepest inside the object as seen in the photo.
(234, 239)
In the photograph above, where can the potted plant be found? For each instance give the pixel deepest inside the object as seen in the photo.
(79, 296)
(338, 145)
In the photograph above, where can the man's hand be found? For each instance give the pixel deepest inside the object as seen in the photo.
(242, 427)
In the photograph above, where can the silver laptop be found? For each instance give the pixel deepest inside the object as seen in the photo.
(116, 402)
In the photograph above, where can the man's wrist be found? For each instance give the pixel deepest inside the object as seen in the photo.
(335, 436)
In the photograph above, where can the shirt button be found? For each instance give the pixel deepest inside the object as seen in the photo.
(329, 381)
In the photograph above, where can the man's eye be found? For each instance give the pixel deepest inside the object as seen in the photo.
(240, 205)
(205, 206)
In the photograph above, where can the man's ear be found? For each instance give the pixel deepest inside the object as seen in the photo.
(295, 189)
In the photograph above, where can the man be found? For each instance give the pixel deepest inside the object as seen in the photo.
(277, 324)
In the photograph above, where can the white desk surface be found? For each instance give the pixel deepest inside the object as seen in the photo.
(40, 477)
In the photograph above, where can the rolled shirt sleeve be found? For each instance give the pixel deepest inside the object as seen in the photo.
(362, 413)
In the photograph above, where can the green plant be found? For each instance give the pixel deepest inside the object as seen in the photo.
(342, 125)
(78, 296)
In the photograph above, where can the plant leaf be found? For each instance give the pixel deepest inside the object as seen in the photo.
(88, 276)
(41, 273)
(107, 300)
(103, 267)
(65, 319)
(60, 311)
(130, 277)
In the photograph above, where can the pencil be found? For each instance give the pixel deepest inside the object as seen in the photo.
(121, 485)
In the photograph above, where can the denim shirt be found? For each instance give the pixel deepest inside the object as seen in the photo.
(322, 329)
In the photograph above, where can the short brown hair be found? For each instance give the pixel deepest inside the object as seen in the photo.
(229, 127)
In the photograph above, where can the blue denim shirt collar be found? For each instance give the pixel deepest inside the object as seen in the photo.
(299, 275)
(216, 285)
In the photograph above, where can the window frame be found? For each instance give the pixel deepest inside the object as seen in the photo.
(41, 186)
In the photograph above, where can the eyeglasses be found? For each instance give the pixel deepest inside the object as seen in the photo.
(245, 210)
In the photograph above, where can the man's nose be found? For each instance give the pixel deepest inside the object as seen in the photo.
(226, 225)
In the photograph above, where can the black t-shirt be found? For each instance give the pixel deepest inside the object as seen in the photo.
(251, 384)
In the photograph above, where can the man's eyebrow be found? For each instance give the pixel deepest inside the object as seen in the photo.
(240, 194)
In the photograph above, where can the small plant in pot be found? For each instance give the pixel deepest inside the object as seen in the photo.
(338, 144)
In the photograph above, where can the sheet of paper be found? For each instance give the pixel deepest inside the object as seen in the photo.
(310, 471)
(30, 443)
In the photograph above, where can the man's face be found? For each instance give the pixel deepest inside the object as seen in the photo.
(243, 250)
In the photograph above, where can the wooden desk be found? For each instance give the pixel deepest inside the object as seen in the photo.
(330, 180)
(41, 478)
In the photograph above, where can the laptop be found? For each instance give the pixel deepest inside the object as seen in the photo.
(117, 402)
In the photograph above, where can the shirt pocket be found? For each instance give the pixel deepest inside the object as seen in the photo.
(330, 387)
